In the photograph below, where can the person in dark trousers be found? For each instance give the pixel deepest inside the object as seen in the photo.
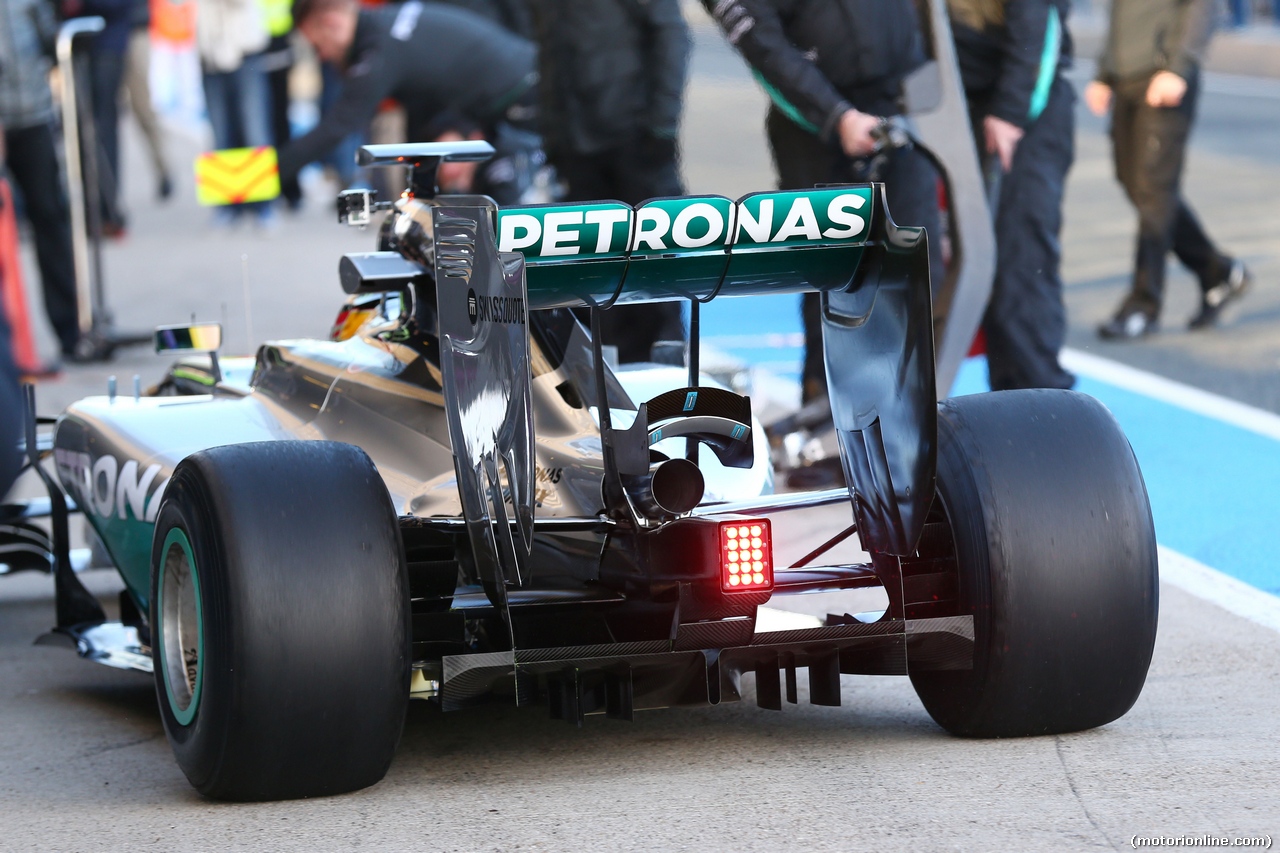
(107, 53)
(27, 119)
(1012, 56)
(612, 90)
(428, 56)
(279, 65)
(1149, 76)
(833, 69)
(137, 85)
(231, 41)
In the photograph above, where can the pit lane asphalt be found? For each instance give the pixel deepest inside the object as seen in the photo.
(84, 764)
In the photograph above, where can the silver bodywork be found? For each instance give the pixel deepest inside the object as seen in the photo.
(115, 455)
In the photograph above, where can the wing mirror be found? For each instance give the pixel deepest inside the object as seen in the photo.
(192, 337)
(188, 337)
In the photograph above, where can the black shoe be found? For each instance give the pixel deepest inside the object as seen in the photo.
(79, 356)
(1221, 295)
(115, 229)
(1127, 326)
(87, 350)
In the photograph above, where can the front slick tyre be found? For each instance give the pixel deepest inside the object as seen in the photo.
(280, 620)
(1056, 558)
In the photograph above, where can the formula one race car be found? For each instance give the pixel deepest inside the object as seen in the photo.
(456, 499)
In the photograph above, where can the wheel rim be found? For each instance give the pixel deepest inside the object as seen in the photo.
(181, 627)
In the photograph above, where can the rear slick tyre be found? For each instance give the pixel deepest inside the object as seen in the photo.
(280, 620)
(1056, 557)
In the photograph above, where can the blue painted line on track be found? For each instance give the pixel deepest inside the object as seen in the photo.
(1214, 487)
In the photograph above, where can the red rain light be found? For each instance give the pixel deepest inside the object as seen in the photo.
(746, 556)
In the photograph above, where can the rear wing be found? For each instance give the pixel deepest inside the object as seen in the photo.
(491, 267)
(699, 247)
(839, 241)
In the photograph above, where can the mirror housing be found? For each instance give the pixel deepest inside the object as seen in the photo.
(188, 337)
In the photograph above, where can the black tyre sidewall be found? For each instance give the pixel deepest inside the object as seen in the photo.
(306, 620)
(197, 745)
(1057, 561)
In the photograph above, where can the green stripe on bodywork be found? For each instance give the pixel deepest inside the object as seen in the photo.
(1048, 65)
(193, 375)
(128, 542)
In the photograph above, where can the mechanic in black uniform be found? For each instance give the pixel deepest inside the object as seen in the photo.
(428, 56)
(514, 15)
(1012, 56)
(612, 88)
(833, 69)
(516, 174)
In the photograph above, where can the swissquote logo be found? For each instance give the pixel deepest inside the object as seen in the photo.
(494, 309)
(706, 223)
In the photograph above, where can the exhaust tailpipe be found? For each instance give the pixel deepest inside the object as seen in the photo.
(672, 487)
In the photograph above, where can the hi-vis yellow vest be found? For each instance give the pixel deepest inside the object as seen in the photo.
(278, 16)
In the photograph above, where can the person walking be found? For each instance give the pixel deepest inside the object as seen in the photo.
(612, 90)
(106, 73)
(833, 71)
(1149, 77)
(232, 38)
(1012, 56)
(137, 85)
(27, 122)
